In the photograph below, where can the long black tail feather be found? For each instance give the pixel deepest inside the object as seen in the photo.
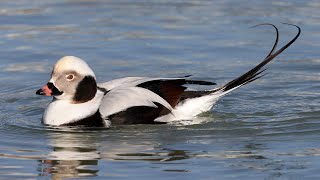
(277, 36)
(256, 72)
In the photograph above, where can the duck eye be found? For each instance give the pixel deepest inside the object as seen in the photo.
(70, 77)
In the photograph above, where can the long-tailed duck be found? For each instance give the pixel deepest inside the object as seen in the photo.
(79, 100)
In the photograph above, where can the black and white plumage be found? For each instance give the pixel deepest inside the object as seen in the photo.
(79, 100)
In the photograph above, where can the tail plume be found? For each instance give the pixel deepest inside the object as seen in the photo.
(256, 72)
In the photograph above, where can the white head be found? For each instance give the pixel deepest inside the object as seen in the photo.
(71, 79)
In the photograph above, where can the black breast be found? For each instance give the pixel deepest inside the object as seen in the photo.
(139, 115)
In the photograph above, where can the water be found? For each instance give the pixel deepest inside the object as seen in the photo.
(267, 130)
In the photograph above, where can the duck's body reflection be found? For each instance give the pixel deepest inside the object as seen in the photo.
(73, 155)
(77, 153)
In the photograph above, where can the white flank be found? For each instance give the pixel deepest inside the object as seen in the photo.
(120, 99)
(190, 108)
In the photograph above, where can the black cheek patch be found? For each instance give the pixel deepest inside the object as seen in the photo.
(86, 90)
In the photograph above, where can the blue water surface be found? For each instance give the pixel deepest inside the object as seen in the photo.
(267, 130)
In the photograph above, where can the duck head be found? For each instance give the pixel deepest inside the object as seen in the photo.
(71, 79)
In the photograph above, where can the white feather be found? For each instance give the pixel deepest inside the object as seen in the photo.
(190, 108)
(73, 63)
(61, 112)
(122, 98)
(129, 82)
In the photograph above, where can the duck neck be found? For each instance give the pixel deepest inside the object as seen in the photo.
(62, 112)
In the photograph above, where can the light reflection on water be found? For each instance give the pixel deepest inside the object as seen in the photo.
(267, 130)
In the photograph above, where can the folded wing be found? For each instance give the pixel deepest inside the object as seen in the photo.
(138, 100)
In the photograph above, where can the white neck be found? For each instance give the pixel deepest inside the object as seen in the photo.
(61, 112)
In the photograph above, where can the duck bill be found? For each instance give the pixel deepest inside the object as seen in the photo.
(49, 90)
